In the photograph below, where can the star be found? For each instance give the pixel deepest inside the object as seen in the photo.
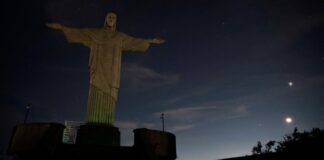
(290, 83)
(288, 120)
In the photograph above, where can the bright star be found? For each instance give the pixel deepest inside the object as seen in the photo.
(290, 83)
(288, 120)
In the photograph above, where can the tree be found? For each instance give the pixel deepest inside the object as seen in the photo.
(295, 144)
(257, 149)
(269, 146)
(307, 142)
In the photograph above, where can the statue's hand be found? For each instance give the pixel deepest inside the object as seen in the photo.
(157, 41)
(54, 25)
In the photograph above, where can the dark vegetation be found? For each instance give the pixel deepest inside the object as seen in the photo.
(297, 142)
(297, 145)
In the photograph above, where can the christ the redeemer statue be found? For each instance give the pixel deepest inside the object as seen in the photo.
(106, 46)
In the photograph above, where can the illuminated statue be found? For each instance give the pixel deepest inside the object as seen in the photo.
(106, 46)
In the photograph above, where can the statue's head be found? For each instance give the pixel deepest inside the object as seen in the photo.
(110, 21)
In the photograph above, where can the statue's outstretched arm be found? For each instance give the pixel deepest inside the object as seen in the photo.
(73, 35)
(55, 26)
(138, 44)
(156, 41)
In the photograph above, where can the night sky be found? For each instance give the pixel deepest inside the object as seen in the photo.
(228, 75)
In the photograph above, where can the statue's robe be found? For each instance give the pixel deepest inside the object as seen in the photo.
(104, 66)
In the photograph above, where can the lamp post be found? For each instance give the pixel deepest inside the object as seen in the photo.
(162, 118)
(27, 113)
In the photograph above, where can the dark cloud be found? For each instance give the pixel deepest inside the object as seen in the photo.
(141, 78)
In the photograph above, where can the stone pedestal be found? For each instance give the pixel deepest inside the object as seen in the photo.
(91, 134)
(153, 144)
(35, 138)
(43, 141)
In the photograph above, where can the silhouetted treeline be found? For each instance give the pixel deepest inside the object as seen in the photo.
(297, 141)
(298, 145)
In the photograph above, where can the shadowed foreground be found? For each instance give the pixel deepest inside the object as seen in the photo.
(44, 141)
(306, 145)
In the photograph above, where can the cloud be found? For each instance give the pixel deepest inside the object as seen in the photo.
(181, 127)
(140, 77)
(186, 118)
(191, 113)
(238, 112)
(187, 95)
(126, 124)
(186, 113)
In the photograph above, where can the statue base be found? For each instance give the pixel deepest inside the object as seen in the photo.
(94, 134)
(39, 141)
(35, 138)
(153, 144)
